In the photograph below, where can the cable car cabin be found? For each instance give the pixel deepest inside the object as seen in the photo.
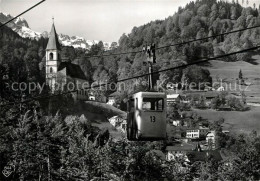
(146, 119)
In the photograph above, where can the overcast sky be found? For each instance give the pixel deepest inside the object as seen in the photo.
(103, 20)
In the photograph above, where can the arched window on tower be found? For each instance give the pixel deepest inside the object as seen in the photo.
(51, 70)
(51, 56)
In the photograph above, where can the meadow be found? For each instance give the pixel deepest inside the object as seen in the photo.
(228, 73)
(239, 122)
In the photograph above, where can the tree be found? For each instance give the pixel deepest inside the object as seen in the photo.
(240, 75)
(233, 13)
(241, 80)
(196, 77)
(218, 101)
(202, 103)
(203, 10)
(114, 45)
(235, 104)
(222, 12)
(172, 77)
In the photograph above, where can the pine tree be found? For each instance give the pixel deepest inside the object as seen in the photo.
(240, 75)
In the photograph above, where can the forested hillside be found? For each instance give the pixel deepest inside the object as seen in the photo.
(19, 61)
(196, 20)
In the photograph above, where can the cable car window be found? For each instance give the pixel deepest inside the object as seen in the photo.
(153, 104)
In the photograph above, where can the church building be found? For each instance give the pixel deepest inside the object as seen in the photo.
(63, 75)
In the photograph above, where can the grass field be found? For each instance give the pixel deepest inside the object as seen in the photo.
(228, 72)
(239, 122)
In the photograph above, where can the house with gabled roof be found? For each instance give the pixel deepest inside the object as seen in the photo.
(174, 98)
(197, 132)
(178, 150)
(191, 153)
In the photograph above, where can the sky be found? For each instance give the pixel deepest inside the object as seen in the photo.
(104, 20)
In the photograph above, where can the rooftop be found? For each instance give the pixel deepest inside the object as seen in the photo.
(197, 128)
(73, 70)
(150, 94)
(193, 128)
(204, 155)
(114, 94)
(173, 96)
(180, 147)
(207, 95)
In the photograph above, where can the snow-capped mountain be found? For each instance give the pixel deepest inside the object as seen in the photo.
(21, 27)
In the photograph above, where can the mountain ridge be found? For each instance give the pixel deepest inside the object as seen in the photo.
(21, 26)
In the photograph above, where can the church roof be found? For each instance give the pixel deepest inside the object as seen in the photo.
(53, 42)
(72, 70)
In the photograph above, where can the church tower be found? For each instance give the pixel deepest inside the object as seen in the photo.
(52, 58)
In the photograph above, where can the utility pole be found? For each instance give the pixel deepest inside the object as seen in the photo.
(151, 59)
(150, 80)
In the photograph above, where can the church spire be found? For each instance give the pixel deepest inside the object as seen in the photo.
(53, 43)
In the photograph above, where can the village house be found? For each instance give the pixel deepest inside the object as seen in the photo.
(197, 132)
(115, 121)
(224, 108)
(211, 140)
(209, 96)
(221, 89)
(112, 98)
(179, 150)
(123, 126)
(176, 123)
(119, 122)
(174, 98)
(192, 133)
(191, 153)
(208, 88)
(179, 122)
(196, 96)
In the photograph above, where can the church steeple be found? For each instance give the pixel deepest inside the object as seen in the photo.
(53, 43)
(52, 58)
